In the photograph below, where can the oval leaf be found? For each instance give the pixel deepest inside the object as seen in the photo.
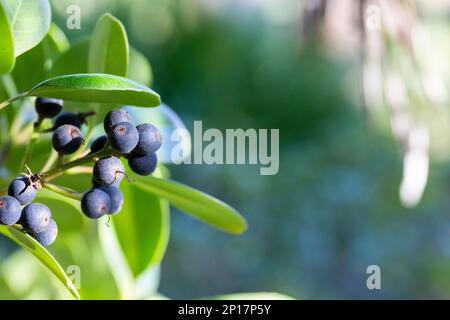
(30, 21)
(7, 43)
(108, 50)
(102, 88)
(194, 202)
(39, 57)
(28, 243)
(142, 227)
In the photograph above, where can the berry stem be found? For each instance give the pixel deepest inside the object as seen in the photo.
(63, 191)
(79, 162)
(31, 143)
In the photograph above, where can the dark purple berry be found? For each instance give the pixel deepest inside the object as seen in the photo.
(150, 139)
(123, 137)
(95, 203)
(48, 107)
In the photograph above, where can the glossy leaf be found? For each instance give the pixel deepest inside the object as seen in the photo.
(198, 204)
(40, 57)
(108, 50)
(142, 227)
(28, 243)
(7, 43)
(102, 88)
(30, 22)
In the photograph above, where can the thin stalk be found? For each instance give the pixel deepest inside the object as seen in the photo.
(63, 191)
(75, 163)
(30, 146)
(50, 161)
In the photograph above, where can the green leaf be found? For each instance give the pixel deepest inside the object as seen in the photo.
(142, 227)
(198, 204)
(30, 22)
(65, 211)
(28, 243)
(7, 43)
(139, 68)
(41, 58)
(102, 88)
(57, 39)
(72, 61)
(108, 50)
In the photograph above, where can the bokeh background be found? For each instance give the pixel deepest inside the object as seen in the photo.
(359, 91)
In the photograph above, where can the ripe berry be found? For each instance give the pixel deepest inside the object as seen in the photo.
(116, 196)
(98, 144)
(95, 203)
(10, 210)
(48, 107)
(123, 137)
(114, 117)
(149, 139)
(47, 236)
(67, 139)
(143, 164)
(35, 217)
(23, 190)
(109, 171)
(67, 118)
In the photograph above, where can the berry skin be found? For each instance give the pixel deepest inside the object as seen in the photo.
(67, 139)
(35, 217)
(10, 210)
(116, 196)
(21, 189)
(114, 117)
(47, 236)
(67, 118)
(99, 143)
(150, 139)
(143, 164)
(95, 184)
(123, 137)
(109, 171)
(48, 107)
(95, 203)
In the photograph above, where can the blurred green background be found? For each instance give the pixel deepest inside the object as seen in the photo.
(334, 207)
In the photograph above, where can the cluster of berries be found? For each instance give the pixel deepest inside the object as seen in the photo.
(137, 144)
(35, 218)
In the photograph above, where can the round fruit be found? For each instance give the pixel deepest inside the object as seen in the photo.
(67, 139)
(109, 171)
(48, 107)
(116, 196)
(10, 210)
(22, 189)
(149, 139)
(47, 236)
(95, 203)
(35, 217)
(123, 137)
(143, 164)
(67, 118)
(114, 117)
(99, 143)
